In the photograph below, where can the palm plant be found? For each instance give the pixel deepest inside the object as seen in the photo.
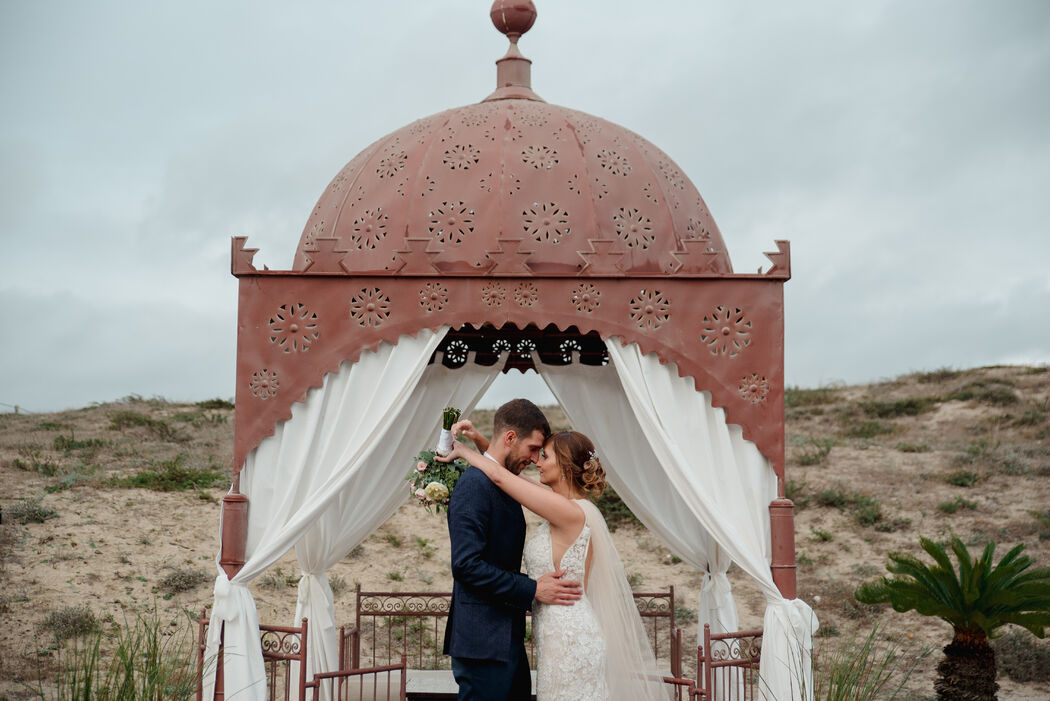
(976, 599)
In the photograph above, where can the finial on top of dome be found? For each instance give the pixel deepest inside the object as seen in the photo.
(513, 72)
(513, 17)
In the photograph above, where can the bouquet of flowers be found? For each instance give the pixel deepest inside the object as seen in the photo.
(431, 481)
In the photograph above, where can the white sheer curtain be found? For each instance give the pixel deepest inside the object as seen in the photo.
(357, 512)
(720, 478)
(330, 450)
(594, 401)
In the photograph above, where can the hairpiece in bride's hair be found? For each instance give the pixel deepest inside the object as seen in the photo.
(593, 455)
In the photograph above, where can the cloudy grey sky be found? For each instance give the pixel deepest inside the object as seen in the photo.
(903, 147)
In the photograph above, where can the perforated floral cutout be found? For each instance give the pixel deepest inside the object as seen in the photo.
(567, 347)
(293, 328)
(539, 157)
(574, 185)
(370, 307)
(614, 162)
(339, 181)
(456, 353)
(493, 294)
(634, 228)
(316, 232)
(545, 222)
(524, 348)
(497, 131)
(600, 189)
(461, 157)
(532, 118)
(696, 230)
(451, 222)
(726, 331)
(501, 345)
(650, 309)
(433, 296)
(650, 193)
(474, 119)
(526, 294)
(672, 174)
(585, 297)
(369, 229)
(428, 186)
(264, 384)
(754, 388)
(391, 165)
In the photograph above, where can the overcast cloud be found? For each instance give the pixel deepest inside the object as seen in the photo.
(903, 148)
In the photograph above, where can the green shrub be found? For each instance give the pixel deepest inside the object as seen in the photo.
(1043, 519)
(814, 451)
(950, 507)
(614, 510)
(67, 481)
(212, 404)
(912, 447)
(68, 444)
(31, 459)
(962, 478)
(1022, 657)
(1031, 417)
(30, 511)
(899, 407)
(53, 426)
(995, 393)
(172, 476)
(183, 579)
(795, 490)
(128, 418)
(939, 375)
(866, 510)
(822, 536)
(797, 397)
(71, 622)
(868, 429)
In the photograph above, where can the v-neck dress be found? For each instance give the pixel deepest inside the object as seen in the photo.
(570, 649)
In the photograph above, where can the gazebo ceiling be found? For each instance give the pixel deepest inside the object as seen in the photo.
(555, 188)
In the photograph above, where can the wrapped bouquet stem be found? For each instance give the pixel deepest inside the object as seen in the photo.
(448, 419)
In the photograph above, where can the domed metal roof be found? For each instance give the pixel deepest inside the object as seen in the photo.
(512, 181)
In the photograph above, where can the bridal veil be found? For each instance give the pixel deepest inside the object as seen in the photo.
(631, 668)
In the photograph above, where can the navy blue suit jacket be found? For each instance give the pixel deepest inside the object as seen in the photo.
(489, 593)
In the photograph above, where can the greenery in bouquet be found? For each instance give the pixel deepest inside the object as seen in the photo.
(432, 482)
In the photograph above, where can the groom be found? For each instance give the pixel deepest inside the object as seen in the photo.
(485, 633)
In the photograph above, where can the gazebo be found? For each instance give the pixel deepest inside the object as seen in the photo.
(509, 234)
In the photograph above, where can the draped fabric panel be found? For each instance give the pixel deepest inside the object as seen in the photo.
(329, 454)
(359, 512)
(594, 401)
(727, 485)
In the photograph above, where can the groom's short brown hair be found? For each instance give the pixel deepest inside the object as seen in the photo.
(521, 416)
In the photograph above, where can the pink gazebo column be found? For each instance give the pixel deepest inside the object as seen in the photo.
(782, 534)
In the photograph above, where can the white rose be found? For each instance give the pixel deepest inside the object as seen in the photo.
(420, 494)
(436, 491)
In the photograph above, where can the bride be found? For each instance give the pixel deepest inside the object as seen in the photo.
(595, 649)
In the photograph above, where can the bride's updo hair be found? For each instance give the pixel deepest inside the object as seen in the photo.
(579, 462)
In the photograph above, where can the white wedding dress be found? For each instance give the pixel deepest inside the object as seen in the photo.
(570, 649)
(596, 649)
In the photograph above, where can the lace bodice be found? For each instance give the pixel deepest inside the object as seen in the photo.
(569, 644)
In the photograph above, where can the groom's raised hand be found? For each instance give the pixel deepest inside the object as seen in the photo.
(552, 589)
